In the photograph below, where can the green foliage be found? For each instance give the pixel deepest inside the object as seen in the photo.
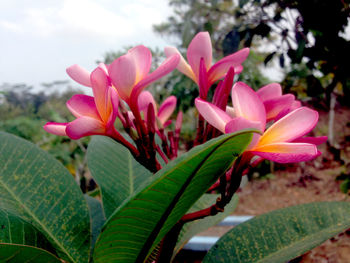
(138, 225)
(41, 191)
(281, 235)
(14, 253)
(115, 170)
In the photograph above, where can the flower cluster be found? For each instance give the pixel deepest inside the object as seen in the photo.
(118, 92)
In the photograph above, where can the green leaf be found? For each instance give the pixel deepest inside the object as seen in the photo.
(283, 234)
(142, 221)
(115, 170)
(14, 253)
(15, 230)
(193, 228)
(97, 217)
(43, 192)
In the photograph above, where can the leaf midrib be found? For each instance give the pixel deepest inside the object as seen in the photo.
(161, 222)
(36, 220)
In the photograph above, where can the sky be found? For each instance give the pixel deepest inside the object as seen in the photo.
(40, 39)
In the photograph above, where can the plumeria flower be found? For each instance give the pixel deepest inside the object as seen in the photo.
(199, 67)
(129, 73)
(95, 115)
(282, 142)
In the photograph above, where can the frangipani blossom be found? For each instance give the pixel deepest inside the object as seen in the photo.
(95, 115)
(199, 67)
(129, 73)
(282, 142)
(165, 109)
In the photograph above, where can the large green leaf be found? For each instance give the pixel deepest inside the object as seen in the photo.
(44, 193)
(142, 221)
(195, 227)
(14, 253)
(283, 234)
(115, 170)
(15, 230)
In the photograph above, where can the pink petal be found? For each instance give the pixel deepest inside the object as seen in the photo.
(166, 109)
(247, 104)
(212, 114)
(241, 123)
(165, 68)
(203, 80)
(100, 87)
(312, 140)
(220, 68)
(79, 74)
(277, 105)
(183, 66)
(296, 104)
(143, 59)
(200, 47)
(270, 91)
(84, 126)
(113, 100)
(292, 126)
(123, 74)
(287, 152)
(82, 105)
(145, 98)
(56, 128)
(230, 111)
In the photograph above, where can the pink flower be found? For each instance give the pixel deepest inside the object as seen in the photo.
(129, 73)
(199, 67)
(95, 115)
(282, 142)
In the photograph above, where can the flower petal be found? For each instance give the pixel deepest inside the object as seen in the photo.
(277, 105)
(82, 105)
(183, 66)
(292, 126)
(220, 68)
(241, 123)
(200, 47)
(79, 74)
(203, 80)
(84, 126)
(212, 114)
(166, 67)
(312, 140)
(287, 152)
(143, 59)
(145, 98)
(270, 91)
(56, 128)
(99, 82)
(247, 104)
(113, 104)
(166, 109)
(123, 74)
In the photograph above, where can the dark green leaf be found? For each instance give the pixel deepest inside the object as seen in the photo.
(15, 230)
(195, 227)
(97, 217)
(115, 170)
(141, 222)
(14, 253)
(281, 235)
(43, 192)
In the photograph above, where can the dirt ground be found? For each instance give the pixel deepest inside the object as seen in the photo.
(305, 183)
